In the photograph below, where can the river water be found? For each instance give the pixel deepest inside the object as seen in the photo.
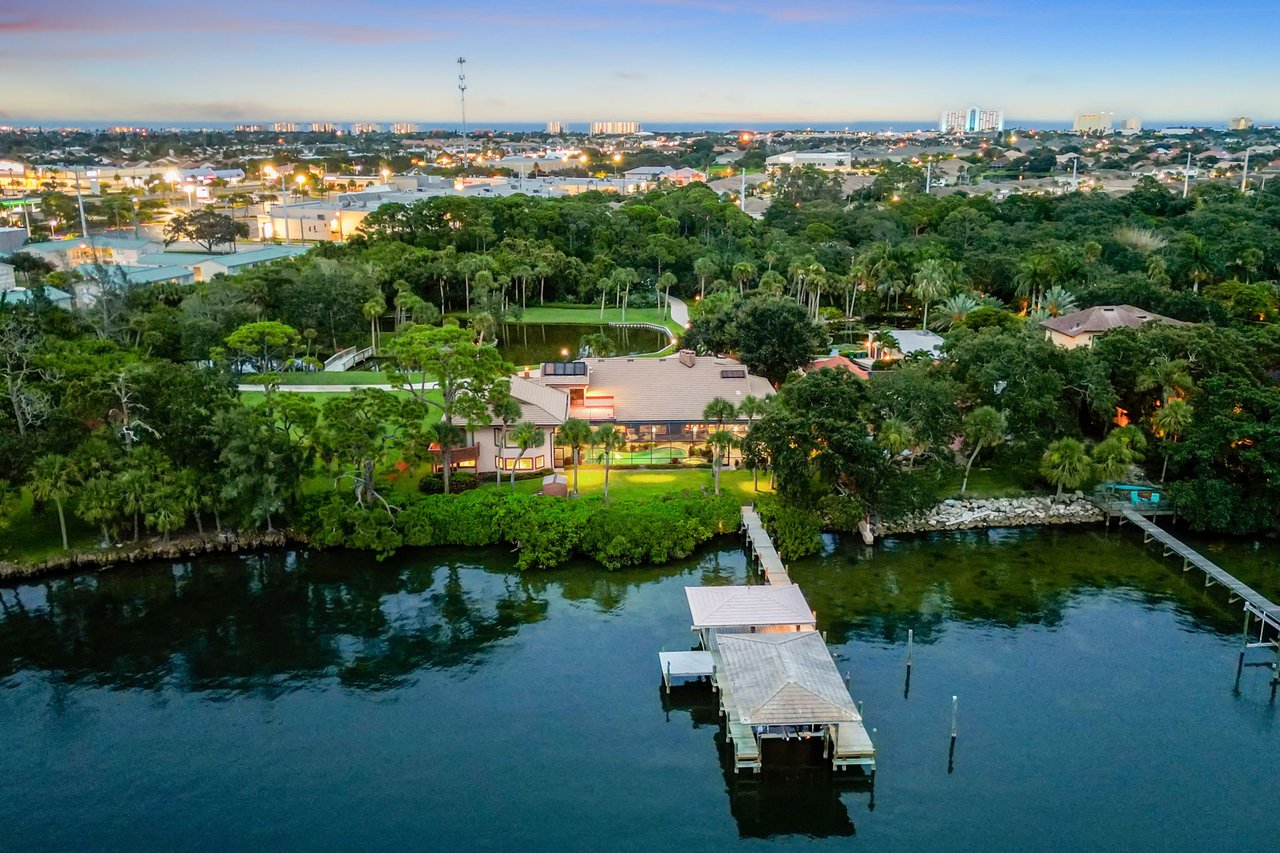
(437, 701)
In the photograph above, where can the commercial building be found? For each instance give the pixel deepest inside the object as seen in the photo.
(285, 127)
(403, 128)
(826, 160)
(555, 128)
(248, 128)
(362, 127)
(1240, 123)
(322, 127)
(1093, 122)
(614, 128)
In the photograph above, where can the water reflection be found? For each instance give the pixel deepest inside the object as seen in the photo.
(1004, 578)
(270, 620)
(796, 793)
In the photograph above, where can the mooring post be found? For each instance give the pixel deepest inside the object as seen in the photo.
(1244, 645)
(906, 686)
(1275, 673)
(951, 752)
(666, 680)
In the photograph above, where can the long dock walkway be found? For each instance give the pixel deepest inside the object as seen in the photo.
(760, 548)
(1254, 602)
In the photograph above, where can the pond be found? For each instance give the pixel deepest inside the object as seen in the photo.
(437, 700)
(534, 343)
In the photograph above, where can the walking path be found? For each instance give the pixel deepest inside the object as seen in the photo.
(679, 312)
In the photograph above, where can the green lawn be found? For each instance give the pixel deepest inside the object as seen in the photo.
(651, 482)
(347, 377)
(587, 314)
(30, 538)
(987, 482)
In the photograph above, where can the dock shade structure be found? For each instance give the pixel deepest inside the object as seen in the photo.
(761, 608)
(787, 686)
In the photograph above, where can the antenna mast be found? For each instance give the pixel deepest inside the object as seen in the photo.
(462, 96)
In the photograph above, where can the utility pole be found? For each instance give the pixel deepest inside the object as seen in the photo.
(742, 195)
(928, 176)
(1186, 176)
(1244, 176)
(462, 96)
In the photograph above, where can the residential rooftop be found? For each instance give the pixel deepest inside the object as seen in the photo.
(1103, 318)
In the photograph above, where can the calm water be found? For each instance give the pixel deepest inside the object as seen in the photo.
(532, 343)
(435, 701)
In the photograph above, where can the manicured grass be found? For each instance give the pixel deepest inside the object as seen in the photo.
(588, 314)
(652, 482)
(30, 538)
(986, 482)
(346, 377)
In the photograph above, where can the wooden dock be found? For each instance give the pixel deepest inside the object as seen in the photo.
(762, 555)
(1257, 607)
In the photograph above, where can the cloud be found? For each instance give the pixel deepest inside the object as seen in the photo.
(629, 75)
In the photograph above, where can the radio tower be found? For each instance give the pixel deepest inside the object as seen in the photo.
(462, 95)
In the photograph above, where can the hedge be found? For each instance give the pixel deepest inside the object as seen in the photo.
(548, 531)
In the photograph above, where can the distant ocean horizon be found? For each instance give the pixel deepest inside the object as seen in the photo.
(900, 126)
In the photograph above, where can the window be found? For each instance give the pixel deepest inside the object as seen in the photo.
(734, 373)
(528, 463)
(564, 368)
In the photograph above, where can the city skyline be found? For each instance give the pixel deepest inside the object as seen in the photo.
(674, 61)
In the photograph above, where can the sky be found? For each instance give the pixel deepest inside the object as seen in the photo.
(751, 61)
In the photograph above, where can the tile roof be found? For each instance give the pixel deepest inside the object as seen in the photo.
(664, 389)
(1102, 318)
(543, 405)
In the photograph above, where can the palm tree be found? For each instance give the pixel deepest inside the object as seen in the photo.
(751, 408)
(53, 479)
(665, 282)
(983, 427)
(1057, 300)
(483, 324)
(1038, 271)
(598, 345)
(719, 410)
(1114, 454)
(704, 268)
(742, 274)
(446, 436)
(1066, 464)
(574, 434)
(623, 278)
(506, 411)
(1170, 422)
(373, 309)
(773, 283)
(1171, 375)
(931, 282)
(720, 441)
(953, 310)
(896, 436)
(527, 437)
(609, 439)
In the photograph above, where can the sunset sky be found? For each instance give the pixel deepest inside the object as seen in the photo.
(650, 60)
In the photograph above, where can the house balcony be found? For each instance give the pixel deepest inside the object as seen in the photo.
(592, 409)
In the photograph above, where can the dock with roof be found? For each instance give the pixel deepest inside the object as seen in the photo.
(773, 673)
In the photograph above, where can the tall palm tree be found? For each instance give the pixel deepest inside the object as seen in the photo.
(1037, 272)
(610, 440)
(983, 427)
(372, 310)
(704, 268)
(720, 441)
(1066, 464)
(574, 434)
(932, 281)
(743, 273)
(527, 436)
(1170, 422)
(53, 479)
(506, 411)
(719, 410)
(1114, 454)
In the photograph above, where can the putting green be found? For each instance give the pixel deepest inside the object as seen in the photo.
(656, 456)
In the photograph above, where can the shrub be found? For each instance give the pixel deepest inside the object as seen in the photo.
(796, 531)
(433, 484)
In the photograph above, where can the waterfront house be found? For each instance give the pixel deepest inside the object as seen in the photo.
(658, 404)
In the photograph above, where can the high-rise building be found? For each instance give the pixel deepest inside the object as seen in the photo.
(285, 127)
(972, 120)
(322, 127)
(952, 121)
(1132, 125)
(248, 128)
(1240, 123)
(402, 128)
(1093, 122)
(555, 128)
(361, 127)
(614, 128)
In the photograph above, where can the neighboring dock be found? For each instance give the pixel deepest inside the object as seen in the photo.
(774, 674)
(1259, 611)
